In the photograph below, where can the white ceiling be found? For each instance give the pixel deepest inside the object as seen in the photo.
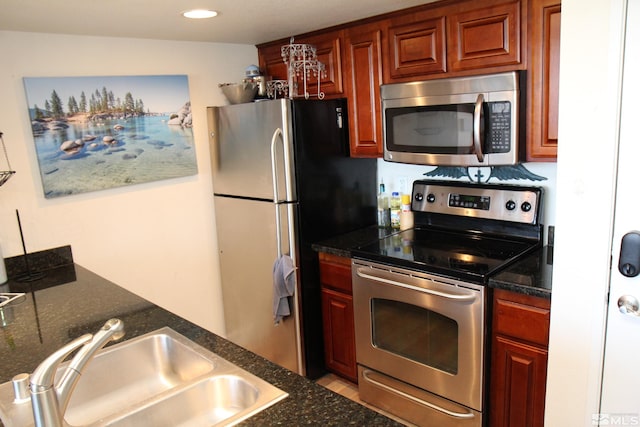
(239, 21)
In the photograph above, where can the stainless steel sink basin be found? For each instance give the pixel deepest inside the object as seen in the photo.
(207, 403)
(159, 379)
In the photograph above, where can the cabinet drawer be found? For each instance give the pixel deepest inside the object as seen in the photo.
(521, 316)
(335, 272)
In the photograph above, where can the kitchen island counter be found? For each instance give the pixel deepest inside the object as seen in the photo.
(70, 301)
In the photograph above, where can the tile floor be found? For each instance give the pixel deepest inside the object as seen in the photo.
(350, 391)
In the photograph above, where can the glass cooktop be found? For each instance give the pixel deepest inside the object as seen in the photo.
(459, 255)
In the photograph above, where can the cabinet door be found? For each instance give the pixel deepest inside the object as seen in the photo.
(363, 75)
(416, 48)
(271, 63)
(518, 384)
(329, 52)
(544, 70)
(339, 334)
(485, 37)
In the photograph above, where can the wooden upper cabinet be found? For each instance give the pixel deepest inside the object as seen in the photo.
(271, 63)
(416, 48)
(329, 52)
(485, 37)
(543, 79)
(363, 75)
(437, 40)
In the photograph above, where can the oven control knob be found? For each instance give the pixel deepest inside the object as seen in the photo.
(431, 198)
(419, 197)
(511, 205)
(525, 206)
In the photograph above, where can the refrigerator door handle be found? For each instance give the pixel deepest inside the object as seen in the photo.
(291, 234)
(274, 163)
(274, 177)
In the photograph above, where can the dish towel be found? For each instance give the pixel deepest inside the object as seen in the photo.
(284, 284)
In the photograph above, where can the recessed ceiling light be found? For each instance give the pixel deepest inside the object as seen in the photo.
(199, 13)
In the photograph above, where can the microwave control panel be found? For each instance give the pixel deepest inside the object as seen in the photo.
(498, 134)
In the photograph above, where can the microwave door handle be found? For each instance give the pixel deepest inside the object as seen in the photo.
(477, 136)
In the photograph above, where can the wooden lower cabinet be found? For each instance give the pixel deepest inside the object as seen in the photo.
(519, 352)
(519, 392)
(337, 316)
(339, 338)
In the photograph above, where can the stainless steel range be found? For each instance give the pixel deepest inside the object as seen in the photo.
(420, 298)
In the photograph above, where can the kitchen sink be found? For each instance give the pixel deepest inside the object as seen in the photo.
(160, 379)
(133, 372)
(207, 403)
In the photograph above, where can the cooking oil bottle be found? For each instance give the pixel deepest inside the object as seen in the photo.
(384, 218)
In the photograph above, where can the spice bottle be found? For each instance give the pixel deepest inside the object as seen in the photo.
(395, 206)
(406, 215)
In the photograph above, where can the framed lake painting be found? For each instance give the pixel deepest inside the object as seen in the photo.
(95, 133)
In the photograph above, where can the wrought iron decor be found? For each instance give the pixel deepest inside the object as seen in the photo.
(484, 174)
(303, 67)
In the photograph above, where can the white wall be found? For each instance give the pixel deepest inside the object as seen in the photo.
(155, 239)
(589, 79)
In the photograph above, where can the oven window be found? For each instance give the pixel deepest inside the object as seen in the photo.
(415, 333)
(444, 129)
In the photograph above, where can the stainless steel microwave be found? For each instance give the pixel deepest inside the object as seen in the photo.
(461, 121)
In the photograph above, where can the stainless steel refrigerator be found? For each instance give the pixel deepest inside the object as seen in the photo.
(283, 180)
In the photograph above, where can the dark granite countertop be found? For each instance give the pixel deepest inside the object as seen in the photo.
(71, 300)
(531, 276)
(343, 244)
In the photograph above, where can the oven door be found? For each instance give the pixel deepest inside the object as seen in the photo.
(421, 329)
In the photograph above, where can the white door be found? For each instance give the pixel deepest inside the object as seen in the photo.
(620, 403)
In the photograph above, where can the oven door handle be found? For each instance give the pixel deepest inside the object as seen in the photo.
(365, 374)
(457, 297)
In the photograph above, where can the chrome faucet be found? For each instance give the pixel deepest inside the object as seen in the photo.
(49, 401)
